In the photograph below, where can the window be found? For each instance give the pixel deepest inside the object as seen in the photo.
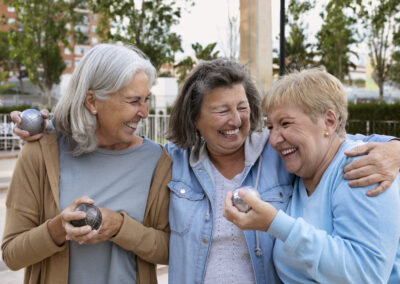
(11, 9)
(11, 21)
(95, 40)
(68, 63)
(67, 51)
(94, 29)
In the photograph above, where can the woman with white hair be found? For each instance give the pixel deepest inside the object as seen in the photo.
(93, 157)
(330, 233)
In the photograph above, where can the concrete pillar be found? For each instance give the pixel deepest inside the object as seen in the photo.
(256, 41)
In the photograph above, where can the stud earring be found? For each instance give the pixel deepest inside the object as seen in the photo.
(326, 134)
(94, 112)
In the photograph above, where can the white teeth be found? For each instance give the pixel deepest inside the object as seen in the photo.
(230, 132)
(131, 125)
(288, 151)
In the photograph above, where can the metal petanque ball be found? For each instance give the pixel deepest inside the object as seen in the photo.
(238, 202)
(32, 121)
(93, 216)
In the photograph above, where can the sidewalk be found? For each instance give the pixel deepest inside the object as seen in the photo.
(8, 160)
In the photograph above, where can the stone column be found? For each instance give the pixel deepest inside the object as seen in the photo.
(256, 41)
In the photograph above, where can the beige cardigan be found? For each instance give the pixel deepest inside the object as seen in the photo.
(33, 199)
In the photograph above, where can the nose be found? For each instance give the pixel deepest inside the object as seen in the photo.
(236, 120)
(143, 111)
(275, 137)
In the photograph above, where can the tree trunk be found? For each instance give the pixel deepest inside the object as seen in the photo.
(380, 85)
(47, 96)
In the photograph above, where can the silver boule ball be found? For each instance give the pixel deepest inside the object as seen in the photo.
(32, 121)
(238, 202)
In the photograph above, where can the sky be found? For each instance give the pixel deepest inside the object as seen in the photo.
(207, 22)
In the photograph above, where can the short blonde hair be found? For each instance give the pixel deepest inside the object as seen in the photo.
(313, 90)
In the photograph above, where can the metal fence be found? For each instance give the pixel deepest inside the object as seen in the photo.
(155, 128)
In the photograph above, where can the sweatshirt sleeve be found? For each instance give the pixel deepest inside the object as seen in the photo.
(370, 138)
(363, 243)
(26, 239)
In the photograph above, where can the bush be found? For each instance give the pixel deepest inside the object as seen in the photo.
(8, 109)
(377, 115)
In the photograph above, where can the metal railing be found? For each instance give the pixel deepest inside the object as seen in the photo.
(155, 128)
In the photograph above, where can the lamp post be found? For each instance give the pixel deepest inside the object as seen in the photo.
(282, 40)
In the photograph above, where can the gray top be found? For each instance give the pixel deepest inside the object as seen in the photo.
(117, 180)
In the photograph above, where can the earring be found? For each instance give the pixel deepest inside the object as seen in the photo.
(326, 134)
(94, 112)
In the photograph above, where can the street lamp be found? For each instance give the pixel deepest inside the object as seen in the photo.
(282, 40)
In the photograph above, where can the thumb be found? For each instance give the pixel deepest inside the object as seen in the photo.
(360, 150)
(250, 197)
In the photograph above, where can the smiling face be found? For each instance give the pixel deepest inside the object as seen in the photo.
(119, 115)
(301, 142)
(224, 120)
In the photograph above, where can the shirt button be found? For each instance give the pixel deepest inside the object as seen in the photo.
(205, 240)
(200, 170)
(280, 194)
(183, 191)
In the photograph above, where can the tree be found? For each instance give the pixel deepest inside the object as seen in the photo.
(337, 36)
(299, 53)
(145, 24)
(36, 36)
(380, 20)
(4, 86)
(394, 66)
(205, 53)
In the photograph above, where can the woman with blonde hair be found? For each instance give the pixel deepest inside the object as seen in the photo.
(330, 233)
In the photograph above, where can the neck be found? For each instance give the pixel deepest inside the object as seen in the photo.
(229, 165)
(312, 182)
(119, 146)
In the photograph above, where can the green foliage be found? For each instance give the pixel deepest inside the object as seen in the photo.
(205, 53)
(8, 109)
(337, 37)
(299, 53)
(5, 87)
(4, 51)
(375, 113)
(36, 36)
(394, 66)
(380, 19)
(201, 53)
(145, 24)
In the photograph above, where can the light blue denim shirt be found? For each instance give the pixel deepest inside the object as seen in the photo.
(190, 212)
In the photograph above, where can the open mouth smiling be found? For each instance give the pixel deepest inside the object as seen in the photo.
(288, 151)
(231, 132)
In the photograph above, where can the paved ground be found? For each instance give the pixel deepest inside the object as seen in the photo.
(7, 163)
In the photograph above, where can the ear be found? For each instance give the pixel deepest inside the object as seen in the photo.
(90, 102)
(330, 121)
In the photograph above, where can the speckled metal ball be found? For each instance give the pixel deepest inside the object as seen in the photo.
(238, 202)
(93, 216)
(32, 121)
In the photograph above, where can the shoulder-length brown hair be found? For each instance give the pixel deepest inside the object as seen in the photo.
(202, 80)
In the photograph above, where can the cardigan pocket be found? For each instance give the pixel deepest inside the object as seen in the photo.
(184, 203)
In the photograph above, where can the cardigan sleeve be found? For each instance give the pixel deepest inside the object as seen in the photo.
(150, 240)
(26, 239)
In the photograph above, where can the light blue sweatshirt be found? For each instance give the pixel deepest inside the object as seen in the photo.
(338, 234)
